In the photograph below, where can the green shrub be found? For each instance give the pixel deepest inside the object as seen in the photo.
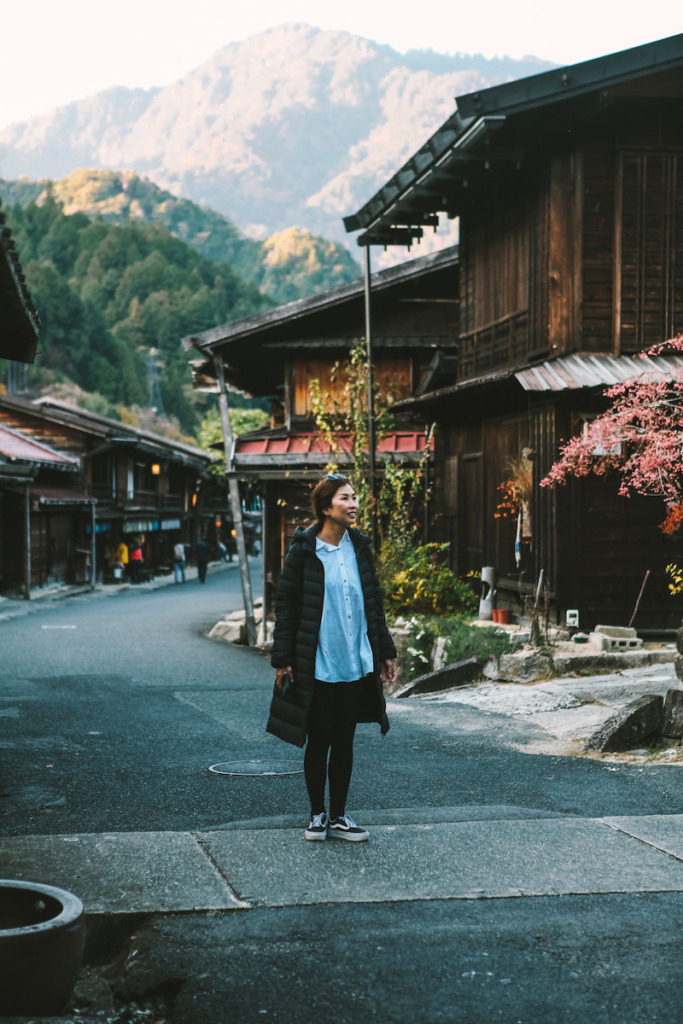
(418, 581)
(462, 641)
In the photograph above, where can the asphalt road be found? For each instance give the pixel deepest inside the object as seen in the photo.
(111, 712)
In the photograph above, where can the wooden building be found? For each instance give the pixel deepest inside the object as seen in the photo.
(74, 484)
(275, 355)
(568, 188)
(19, 323)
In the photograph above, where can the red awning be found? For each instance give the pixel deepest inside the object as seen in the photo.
(397, 441)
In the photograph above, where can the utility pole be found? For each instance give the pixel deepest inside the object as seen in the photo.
(235, 503)
(154, 399)
(371, 398)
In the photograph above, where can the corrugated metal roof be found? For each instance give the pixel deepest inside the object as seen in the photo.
(14, 445)
(59, 496)
(585, 370)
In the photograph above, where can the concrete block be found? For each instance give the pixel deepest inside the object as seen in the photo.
(672, 726)
(606, 642)
(458, 674)
(634, 722)
(617, 632)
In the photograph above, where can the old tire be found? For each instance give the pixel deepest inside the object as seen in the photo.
(42, 935)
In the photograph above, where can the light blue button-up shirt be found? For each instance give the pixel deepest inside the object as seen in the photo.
(344, 651)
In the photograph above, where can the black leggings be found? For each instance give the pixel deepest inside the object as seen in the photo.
(331, 726)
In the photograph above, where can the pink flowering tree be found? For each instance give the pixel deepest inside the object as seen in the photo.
(640, 436)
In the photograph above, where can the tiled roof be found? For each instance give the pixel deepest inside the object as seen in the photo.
(309, 443)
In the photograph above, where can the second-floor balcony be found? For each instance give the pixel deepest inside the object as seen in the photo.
(140, 497)
(502, 342)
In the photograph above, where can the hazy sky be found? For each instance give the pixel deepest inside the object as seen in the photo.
(55, 51)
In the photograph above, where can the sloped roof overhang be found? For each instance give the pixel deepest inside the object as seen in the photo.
(16, 447)
(20, 321)
(260, 340)
(112, 433)
(56, 497)
(580, 371)
(470, 146)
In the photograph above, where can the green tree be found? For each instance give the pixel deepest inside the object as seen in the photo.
(297, 263)
(242, 421)
(399, 486)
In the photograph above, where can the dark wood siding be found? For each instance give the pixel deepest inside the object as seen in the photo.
(546, 538)
(649, 268)
(561, 280)
(598, 247)
(619, 542)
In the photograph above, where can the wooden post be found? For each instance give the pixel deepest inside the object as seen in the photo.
(371, 398)
(235, 503)
(93, 547)
(27, 545)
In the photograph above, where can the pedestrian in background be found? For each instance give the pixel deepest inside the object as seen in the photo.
(179, 561)
(331, 650)
(121, 558)
(135, 560)
(202, 554)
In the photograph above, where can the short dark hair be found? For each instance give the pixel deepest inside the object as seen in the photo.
(324, 491)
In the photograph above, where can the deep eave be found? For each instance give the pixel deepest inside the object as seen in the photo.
(107, 431)
(292, 312)
(576, 372)
(473, 142)
(255, 349)
(20, 321)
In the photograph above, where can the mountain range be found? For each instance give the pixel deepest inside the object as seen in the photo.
(293, 126)
(287, 265)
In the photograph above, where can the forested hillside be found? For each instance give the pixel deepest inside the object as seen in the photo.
(289, 265)
(108, 294)
(294, 126)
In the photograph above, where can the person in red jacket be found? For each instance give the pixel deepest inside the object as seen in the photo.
(135, 560)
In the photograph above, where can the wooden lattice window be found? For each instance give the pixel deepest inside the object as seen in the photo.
(649, 250)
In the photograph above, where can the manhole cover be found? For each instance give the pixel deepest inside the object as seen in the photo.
(257, 768)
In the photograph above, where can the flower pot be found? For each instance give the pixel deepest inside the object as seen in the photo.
(505, 616)
(42, 935)
(495, 612)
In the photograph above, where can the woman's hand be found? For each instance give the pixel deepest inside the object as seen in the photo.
(388, 670)
(280, 672)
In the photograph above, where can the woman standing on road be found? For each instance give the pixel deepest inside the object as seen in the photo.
(331, 650)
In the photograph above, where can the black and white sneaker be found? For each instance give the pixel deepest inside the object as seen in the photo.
(317, 830)
(346, 828)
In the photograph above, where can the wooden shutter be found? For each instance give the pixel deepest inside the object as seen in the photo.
(649, 277)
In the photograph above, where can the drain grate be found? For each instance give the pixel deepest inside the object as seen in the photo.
(257, 768)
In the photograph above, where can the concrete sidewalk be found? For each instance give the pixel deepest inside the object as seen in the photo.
(445, 854)
(12, 608)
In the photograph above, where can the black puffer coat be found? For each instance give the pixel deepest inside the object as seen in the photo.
(298, 614)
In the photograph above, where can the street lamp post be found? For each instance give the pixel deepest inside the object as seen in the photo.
(371, 397)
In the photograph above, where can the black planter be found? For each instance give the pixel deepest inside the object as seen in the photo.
(42, 934)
